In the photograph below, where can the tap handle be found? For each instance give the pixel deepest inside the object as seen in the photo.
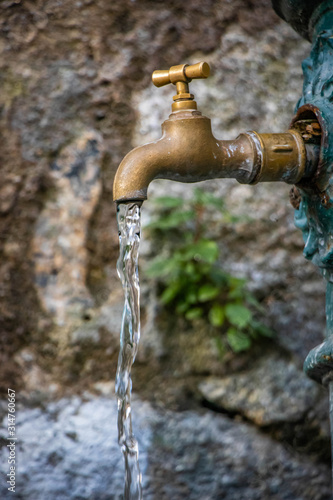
(180, 76)
(181, 73)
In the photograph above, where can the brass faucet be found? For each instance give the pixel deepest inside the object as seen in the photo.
(189, 152)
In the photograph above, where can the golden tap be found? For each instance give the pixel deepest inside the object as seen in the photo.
(189, 152)
(181, 76)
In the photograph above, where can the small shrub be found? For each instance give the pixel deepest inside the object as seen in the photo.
(191, 279)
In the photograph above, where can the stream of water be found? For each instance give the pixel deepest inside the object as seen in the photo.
(128, 216)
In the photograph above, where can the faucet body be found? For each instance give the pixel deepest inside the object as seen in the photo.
(189, 152)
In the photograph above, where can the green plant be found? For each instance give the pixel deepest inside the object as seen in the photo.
(191, 280)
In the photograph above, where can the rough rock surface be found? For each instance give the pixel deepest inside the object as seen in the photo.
(69, 451)
(58, 247)
(271, 392)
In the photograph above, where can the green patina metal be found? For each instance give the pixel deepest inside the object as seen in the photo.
(297, 13)
(315, 213)
(319, 363)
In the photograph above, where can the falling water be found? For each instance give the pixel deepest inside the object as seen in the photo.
(127, 267)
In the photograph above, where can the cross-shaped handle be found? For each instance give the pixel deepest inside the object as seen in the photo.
(180, 76)
(181, 73)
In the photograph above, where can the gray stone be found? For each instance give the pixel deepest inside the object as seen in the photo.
(211, 457)
(70, 451)
(60, 256)
(273, 391)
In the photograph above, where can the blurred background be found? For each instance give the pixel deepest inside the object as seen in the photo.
(221, 406)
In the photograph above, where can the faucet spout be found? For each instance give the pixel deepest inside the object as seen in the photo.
(189, 152)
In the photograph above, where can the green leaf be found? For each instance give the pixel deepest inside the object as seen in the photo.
(192, 271)
(233, 219)
(182, 307)
(161, 267)
(236, 288)
(168, 201)
(253, 302)
(237, 340)
(216, 315)
(171, 220)
(203, 250)
(262, 329)
(189, 268)
(208, 292)
(218, 276)
(238, 315)
(204, 198)
(170, 292)
(194, 313)
(237, 282)
(236, 293)
(191, 296)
